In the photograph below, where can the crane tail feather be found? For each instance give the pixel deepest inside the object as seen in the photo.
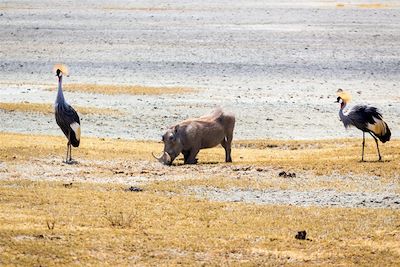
(76, 136)
(380, 129)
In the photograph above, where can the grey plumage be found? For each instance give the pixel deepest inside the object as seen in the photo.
(368, 119)
(67, 119)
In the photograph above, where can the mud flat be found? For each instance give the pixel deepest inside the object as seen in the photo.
(277, 65)
(325, 198)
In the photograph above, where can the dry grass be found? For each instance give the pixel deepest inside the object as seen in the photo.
(366, 5)
(48, 223)
(48, 109)
(323, 156)
(124, 89)
(144, 9)
(373, 5)
(320, 157)
(25, 147)
(169, 230)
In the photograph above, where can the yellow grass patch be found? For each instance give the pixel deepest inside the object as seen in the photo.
(319, 157)
(373, 5)
(57, 223)
(25, 147)
(89, 224)
(145, 9)
(47, 109)
(113, 89)
(365, 5)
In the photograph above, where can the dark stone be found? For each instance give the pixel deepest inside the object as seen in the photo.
(282, 173)
(287, 174)
(67, 185)
(134, 189)
(301, 235)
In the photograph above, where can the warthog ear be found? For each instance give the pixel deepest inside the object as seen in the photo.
(176, 128)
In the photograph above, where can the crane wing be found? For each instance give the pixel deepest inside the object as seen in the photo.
(68, 120)
(363, 116)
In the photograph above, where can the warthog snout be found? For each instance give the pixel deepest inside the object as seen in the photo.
(165, 158)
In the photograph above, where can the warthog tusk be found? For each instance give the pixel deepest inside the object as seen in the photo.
(167, 159)
(157, 158)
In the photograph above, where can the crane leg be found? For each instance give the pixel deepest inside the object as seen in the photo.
(363, 144)
(70, 153)
(66, 157)
(377, 147)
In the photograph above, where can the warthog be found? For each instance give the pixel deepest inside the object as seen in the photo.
(191, 135)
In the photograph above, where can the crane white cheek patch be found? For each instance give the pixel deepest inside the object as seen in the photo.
(77, 129)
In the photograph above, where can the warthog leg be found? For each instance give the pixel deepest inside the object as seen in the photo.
(185, 156)
(227, 145)
(192, 156)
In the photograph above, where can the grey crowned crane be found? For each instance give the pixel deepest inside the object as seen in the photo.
(366, 118)
(66, 116)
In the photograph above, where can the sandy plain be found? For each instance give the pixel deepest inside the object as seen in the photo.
(275, 65)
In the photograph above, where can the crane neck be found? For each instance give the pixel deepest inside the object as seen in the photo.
(344, 118)
(342, 106)
(60, 96)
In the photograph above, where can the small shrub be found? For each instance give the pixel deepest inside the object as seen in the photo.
(51, 223)
(119, 219)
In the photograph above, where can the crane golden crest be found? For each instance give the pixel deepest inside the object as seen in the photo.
(343, 95)
(63, 68)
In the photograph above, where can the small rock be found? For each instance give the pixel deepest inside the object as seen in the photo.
(68, 185)
(247, 168)
(287, 174)
(301, 235)
(134, 189)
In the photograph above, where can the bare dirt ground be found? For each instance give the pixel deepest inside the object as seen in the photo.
(276, 65)
(367, 191)
(264, 172)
